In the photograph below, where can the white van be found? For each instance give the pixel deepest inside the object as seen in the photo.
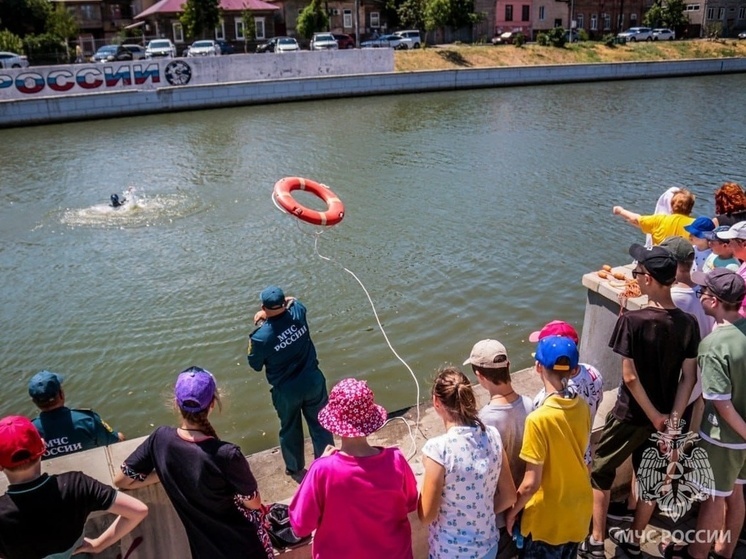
(413, 35)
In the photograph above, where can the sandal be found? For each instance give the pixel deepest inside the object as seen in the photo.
(670, 551)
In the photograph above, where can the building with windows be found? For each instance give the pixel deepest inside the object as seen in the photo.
(99, 20)
(721, 18)
(162, 21)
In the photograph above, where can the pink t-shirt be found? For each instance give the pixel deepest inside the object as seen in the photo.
(358, 506)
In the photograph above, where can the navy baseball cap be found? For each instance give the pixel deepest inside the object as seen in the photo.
(713, 235)
(273, 297)
(700, 226)
(44, 385)
(549, 350)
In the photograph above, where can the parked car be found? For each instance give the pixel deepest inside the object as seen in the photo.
(324, 41)
(572, 36)
(138, 53)
(268, 46)
(287, 44)
(344, 41)
(413, 35)
(159, 48)
(111, 53)
(634, 34)
(225, 47)
(742, 35)
(204, 48)
(662, 34)
(507, 38)
(13, 60)
(384, 41)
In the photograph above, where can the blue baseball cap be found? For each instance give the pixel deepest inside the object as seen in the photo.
(700, 226)
(550, 349)
(273, 297)
(44, 385)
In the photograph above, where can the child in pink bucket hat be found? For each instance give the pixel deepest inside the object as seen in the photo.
(357, 498)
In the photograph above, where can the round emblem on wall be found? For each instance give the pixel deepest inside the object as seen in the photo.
(178, 73)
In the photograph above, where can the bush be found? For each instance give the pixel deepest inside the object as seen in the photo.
(542, 39)
(556, 37)
(519, 40)
(44, 49)
(10, 42)
(608, 40)
(583, 35)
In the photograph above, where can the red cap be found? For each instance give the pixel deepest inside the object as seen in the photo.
(20, 442)
(555, 328)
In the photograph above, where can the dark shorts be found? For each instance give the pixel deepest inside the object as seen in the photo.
(534, 549)
(618, 441)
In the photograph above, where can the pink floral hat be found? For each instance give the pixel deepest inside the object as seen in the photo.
(351, 411)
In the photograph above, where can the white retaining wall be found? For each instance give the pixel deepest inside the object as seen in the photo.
(328, 82)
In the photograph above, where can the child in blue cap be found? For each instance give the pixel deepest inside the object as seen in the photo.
(555, 494)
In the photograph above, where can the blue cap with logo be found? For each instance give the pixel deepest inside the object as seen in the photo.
(700, 226)
(551, 349)
(44, 385)
(273, 297)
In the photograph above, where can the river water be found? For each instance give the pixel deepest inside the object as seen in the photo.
(469, 215)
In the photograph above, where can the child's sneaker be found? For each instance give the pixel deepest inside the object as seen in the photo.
(618, 511)
(623, 540)
(588, 550)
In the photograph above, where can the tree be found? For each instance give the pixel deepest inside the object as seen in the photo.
(61, 23)
(412, 14)
(23, 17)
(10, 42)
(450, 13)
(312, 19)
(249, 28)
(669, 14)
(200, 17)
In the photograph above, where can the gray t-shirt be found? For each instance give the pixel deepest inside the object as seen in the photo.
(509, 420)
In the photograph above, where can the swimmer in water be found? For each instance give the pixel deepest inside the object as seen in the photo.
(116, 202)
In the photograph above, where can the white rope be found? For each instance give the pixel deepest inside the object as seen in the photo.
(316, 235)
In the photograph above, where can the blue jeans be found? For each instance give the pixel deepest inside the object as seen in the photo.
(534, 549)
(304, 395)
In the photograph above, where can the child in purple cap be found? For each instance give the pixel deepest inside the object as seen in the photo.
(467, 476)
(357, 498)
(203, 476)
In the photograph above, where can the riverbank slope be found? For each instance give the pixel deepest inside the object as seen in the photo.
(447, 57)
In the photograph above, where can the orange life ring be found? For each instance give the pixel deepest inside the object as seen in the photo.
(335, 209)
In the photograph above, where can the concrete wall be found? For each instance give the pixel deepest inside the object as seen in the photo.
(129, 101)
(602, 308)
(144, 75)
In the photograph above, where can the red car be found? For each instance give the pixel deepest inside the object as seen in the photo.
(344, 41)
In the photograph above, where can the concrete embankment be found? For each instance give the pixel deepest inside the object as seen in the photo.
(79, 92)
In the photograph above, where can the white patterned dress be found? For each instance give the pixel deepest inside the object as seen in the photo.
(465, 526)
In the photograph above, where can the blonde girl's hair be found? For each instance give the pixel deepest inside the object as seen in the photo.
(454, 391)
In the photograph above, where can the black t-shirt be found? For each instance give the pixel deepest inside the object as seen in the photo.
(47, 515)
(658, 341)
(731, 219)
(201, 479)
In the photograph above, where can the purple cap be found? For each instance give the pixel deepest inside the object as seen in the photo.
(195, 389)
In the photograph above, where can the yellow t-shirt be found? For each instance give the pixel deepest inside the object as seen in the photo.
(556, 435)
(661, 226)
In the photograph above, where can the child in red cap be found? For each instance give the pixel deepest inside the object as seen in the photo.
(36, 501)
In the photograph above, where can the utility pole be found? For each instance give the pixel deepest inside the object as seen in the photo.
(357, 23)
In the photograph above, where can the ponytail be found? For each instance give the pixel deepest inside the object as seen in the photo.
(454, 391)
